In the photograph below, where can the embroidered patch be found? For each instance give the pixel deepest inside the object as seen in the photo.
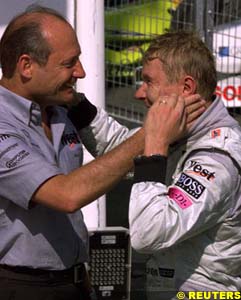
(215, 133)
(190, 185)
(197, 169)
(180, 198)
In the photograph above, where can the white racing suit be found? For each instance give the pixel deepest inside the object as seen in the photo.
(104, 133)
(191, 225)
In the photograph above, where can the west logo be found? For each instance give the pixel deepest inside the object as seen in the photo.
(70, 138)
(197, 169)
(190, 185)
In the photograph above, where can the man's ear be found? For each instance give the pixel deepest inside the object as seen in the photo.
(24, 66)
(189, 86)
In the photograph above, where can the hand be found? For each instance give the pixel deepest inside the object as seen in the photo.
(165, 123)
(195, 106)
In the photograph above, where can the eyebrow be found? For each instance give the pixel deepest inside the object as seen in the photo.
(70, 60)
(145, 76)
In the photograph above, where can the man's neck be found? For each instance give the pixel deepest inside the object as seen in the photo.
(13, 85)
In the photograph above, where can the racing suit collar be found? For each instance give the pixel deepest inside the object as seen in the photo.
(214, 117)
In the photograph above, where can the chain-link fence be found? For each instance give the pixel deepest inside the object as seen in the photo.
(131, 24)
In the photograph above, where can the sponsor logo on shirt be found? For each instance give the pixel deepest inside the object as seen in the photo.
(8, 149)
(70, 139)
(215, 133)
(3, 137)
(16, 159)
(197, 169)
(180, 198)
(190, 185)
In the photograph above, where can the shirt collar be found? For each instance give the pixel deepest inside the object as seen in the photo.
(23, 109)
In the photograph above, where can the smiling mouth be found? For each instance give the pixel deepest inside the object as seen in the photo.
(67, 87)
(70, 86)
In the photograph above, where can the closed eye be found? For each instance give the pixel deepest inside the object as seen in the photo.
(71, 63)
(146, 79)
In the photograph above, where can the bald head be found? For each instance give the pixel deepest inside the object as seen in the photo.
(28, 34)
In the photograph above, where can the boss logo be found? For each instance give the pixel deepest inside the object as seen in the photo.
(197, 169)
(190, 185)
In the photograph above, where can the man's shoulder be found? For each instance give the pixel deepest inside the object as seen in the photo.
(221, 139)
(218, 137)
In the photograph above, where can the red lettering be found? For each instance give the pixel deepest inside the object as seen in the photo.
(218, 91)
(229, 95)
(229, 92)
(239, 93)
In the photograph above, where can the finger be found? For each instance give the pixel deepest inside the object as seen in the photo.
(183, 125)
(157, 105)
(181, 111)
(195, 106)
(195, 114)
(162, 100)
(172, 100)
(180, 103)
(189, 100)
(184, 118)
(189, 125)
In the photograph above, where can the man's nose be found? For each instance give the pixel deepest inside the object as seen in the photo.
(140, 93)
(79, 71)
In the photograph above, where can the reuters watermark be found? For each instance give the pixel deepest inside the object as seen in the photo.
(208, 295)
